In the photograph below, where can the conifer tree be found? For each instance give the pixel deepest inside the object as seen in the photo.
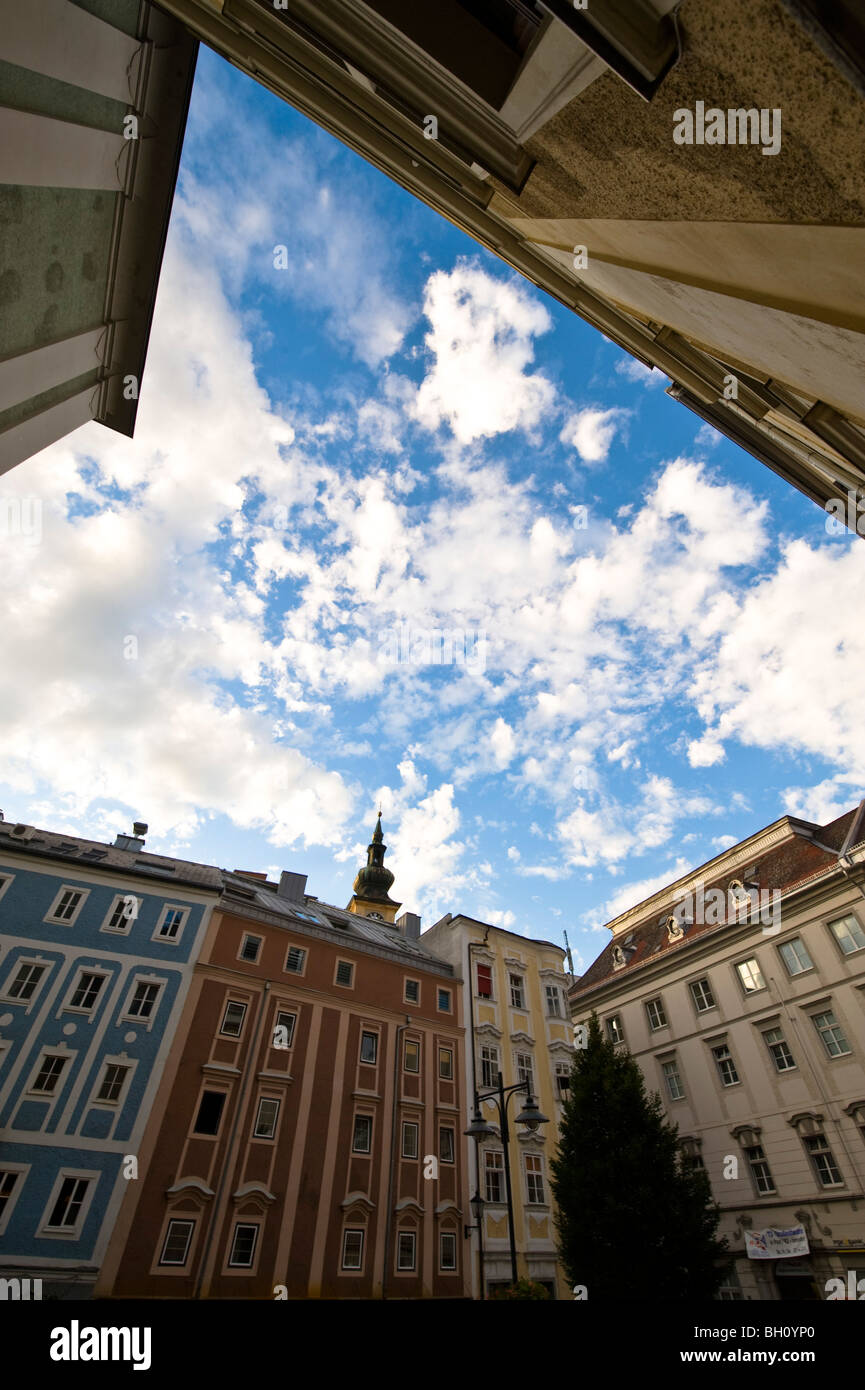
(635, 1222)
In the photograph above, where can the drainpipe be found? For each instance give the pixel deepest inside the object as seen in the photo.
(471, 988)
(245, 1079)
(388, 1223)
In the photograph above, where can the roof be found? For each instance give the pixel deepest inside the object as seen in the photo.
(451, 917)
(92, 854)
(806, 852)
(241, 894)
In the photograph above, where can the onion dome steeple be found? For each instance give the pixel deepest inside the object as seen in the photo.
(371, 887)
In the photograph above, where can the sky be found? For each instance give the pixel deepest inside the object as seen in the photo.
(364, 443)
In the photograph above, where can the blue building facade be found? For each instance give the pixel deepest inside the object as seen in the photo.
(97, 948)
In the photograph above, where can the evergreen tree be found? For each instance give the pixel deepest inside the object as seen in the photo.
(635, 1221)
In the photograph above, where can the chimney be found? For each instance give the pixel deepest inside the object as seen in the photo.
(133, 841)
(409, 926)
(292, 887)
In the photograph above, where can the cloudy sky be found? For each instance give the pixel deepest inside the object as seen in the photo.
(358, 429)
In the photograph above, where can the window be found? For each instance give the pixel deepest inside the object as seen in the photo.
(535, 1179)
(525, 1068)
(446, 1063)
(209, 1112)
(830, 1031)
(112, 1083)
(444, 1001)
(352, 1249)
(731, 1290)
(692, 1159)
(50, 1071)
(67, 1207)
(563, 1079)
(295, 960)
(554, 1001)
(143, 1000)
(750, 975)
(23, 986)
(412, 992)
(518, 998)
(485, 981)
(781, 1054)
(726, 1066)
(411, 1056)
(177, 1239)
(446, 1143)
(232, 1022)
(675, 1089)
(251, 948)
(66, 905)
(759, 1169)
(86, 991)
(345, 973)
(122, 913)
(494, 1169)
(406, 1250)
(283, 1029)
(369, 1048)
(655, 1014)
(171, 923)
(823, 1161)
(8, 1179)
(447, 1251)
(362, 1141)
(848, 932)
(410, 1133)
(702, 996)
(489, 1065)
(795, 956)
(615, 1032)
(268, 1114)
(243, 1245)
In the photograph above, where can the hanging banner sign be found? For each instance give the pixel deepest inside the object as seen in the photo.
(775, 1244)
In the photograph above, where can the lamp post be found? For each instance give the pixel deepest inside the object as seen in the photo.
(530, 1116)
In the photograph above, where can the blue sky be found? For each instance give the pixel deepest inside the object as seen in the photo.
(357, 424)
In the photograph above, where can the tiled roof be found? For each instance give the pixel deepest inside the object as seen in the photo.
(804, 855)
(91, 854)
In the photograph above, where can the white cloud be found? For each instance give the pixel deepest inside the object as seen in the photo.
(630, 894)
(644, 376)
(591, 432)
(707, 437)
(503, 743)
(481, 338)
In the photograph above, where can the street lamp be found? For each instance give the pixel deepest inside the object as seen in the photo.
(530, 1116)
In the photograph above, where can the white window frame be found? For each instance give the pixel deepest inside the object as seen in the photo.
(362, 1115)
(338, 983)
(668, 1077)
(67, 1007)
(659, 1003)
(189, 1221)
(6, 879)
(452, 1237)
(519, 988)
(249, 1264)
(405, 984)
(46, 1232)
(20, 1170)
(613, 1025)
(499, 1168)
(17, 966)
(492, 1064)
(262, 1101)
(523, 1073)
(118, 899)
(553, 992)
(719, 1061)
(113, 1105)
(449, 1129)
(353, 1231)
(780, 1041)
(410, 1234)
(444, 1008)
(442, 1047)
(846, 918)
(304, 953)
(414, 1042)
(368, 1033)
(821, 1013)
(693, 985)
(293, 1015)
(147, 1021)
(241, 1004)
(51, 916)
(791, 945)
(44, 1052)
(249, 936)
(409, 1124)
(534, 1158)
(163, 917)
(746, 966)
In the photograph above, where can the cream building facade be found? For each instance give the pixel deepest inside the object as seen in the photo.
(752, 1029)
(516, 1020)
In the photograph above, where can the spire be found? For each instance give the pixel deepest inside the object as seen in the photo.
(371, 887)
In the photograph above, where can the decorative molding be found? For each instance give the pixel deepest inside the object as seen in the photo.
(444, 1207)
(807, 1122)
(253, 1189)
(488, 1029)
(522, 1037)
(409, 1204)
(514, 964)
(190, 1185)
(220, 1069)
(357, 1199)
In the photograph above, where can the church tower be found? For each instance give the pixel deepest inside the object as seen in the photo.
(373, 881)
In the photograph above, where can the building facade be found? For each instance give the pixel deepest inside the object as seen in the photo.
(516, 1018)
(306, 1142)
(96, 950)
(740, 990)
